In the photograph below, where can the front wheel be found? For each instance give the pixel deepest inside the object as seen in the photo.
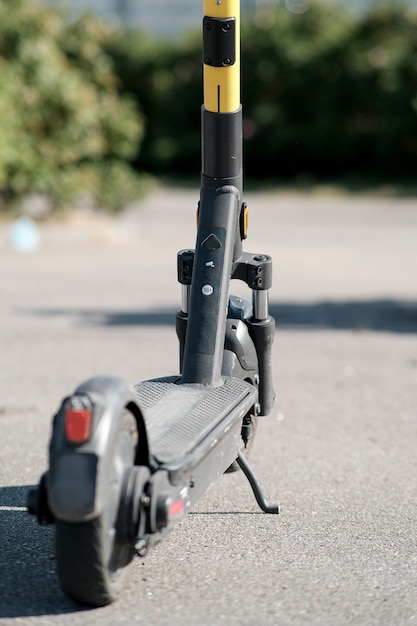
(247, 437)
(91, 559)
(241, 361)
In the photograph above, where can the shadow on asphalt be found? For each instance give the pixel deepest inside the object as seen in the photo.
(385, 315)
(28, 581)
(399, 316)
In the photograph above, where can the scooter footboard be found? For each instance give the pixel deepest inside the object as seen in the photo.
(84, 432)
(179, 417)
(194, 435)
(179, 428)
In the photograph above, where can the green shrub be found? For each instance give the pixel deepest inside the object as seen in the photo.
(165, 78)
(63, 125)
(329, 93)
(325, 93)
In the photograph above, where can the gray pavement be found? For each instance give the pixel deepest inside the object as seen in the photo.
(339, 451)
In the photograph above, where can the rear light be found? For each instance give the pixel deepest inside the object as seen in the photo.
(168, 511)
(78, 420)
(176, 508)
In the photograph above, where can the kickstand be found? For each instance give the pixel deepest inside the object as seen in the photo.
(256, 488)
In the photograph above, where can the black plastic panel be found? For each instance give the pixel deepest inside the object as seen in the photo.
(219, 41)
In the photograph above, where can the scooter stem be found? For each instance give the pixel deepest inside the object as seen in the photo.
(219, 241)
(221, 114)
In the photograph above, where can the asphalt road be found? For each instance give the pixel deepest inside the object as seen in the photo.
(339, 451)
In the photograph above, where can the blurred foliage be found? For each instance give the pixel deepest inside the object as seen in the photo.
(326, 93)
(165, 78)
(65, 130)
(329, 93)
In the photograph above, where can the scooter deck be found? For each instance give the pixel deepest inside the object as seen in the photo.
(179, 417)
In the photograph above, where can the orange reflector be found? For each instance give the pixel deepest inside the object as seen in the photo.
(245, 222)
(78, 425)
(176, 508)
(244, 218)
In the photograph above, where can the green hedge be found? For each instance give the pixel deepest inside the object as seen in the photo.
(165, 78)
(65, 131)
(329, 93)
(326, 93)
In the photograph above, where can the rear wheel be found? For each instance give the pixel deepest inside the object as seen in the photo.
(91, 558)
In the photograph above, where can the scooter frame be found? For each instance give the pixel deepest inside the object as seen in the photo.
(125, 464)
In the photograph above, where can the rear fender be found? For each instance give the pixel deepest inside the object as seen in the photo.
(78, 474)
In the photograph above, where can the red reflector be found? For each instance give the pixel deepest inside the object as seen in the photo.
(77, 425)
(176, 508)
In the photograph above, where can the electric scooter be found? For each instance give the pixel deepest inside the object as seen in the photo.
(127, 463)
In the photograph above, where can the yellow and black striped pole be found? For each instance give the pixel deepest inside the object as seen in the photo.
(221, 70)
(221, 112)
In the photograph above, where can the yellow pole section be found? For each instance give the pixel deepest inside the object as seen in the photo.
(221, 85)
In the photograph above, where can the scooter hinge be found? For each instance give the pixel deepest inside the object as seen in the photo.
(185, 264)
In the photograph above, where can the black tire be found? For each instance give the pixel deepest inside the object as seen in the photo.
(91, 562)
(250, 421)
(240, 311)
